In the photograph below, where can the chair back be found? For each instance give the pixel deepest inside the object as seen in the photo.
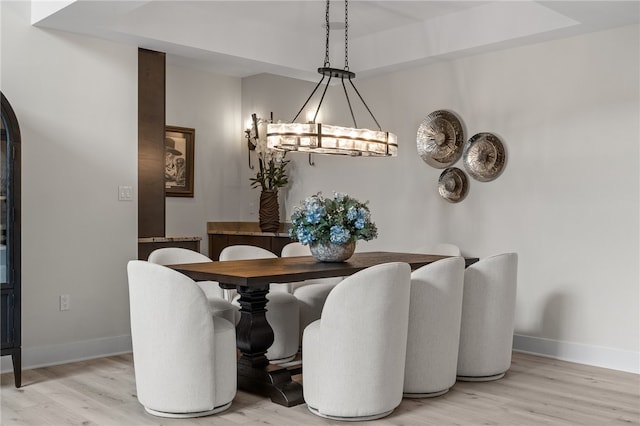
(488, 312)
(175, 255)
(172, 333)
(297, 249)
(362, 344)
(247, 252)
(434, 328)
(312, 293)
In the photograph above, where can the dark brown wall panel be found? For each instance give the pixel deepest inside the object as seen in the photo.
(151, 129)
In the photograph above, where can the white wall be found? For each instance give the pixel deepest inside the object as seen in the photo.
(568, 201)
(76, 103)
(210, 104)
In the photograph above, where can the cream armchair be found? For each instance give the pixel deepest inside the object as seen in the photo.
(184, 357)
(488, 311)
(434, 328)
(353, 357)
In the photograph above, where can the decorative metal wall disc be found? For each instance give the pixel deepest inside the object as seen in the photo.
(453, 185)
(484, 157)
(440, 139)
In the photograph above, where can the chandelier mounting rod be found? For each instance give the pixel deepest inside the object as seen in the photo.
(342, 73)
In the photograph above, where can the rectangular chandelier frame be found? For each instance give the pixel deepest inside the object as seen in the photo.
(329, 139)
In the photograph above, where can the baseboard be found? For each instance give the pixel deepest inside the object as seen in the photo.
(597, 356)
(43, 356)
(614, 359)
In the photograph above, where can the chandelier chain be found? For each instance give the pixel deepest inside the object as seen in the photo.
(326, 44)
(313, 137)
(346, 35)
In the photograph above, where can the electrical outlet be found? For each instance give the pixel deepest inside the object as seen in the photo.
(65, 302)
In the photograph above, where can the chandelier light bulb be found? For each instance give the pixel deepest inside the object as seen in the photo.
(311, 113)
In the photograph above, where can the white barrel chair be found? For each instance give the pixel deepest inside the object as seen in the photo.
(220, 307)
(434, 328)
(353, 357)
(311, 294)
(488, 311)
(283, 313)
(184, 357)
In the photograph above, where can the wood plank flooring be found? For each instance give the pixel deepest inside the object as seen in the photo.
(535, 391)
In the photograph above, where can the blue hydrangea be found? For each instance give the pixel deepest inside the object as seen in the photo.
(339, 234)
(359, 216)
(352, 213)
(314, 211)
(304, 236)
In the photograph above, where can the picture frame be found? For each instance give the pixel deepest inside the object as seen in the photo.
(179, 147)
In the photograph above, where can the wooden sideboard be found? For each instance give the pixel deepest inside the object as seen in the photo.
(148, 244)
(223, 234)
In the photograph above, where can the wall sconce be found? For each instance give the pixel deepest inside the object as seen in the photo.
(252, 140)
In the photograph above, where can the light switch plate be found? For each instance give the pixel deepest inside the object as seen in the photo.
(65, 302)
(125, 193)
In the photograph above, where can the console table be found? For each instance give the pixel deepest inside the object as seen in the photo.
(149, 244)
(223, 234)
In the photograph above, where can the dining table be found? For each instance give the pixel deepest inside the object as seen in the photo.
(251, 279)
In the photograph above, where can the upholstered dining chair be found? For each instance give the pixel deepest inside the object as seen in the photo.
(311, 294)
(283, 313)
(488, 311)
(184, 357)
(215, 295)
(353, 357)
(434, 328)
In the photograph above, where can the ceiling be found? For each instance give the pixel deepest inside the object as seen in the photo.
(242, 38)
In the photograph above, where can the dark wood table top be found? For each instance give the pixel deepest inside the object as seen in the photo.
(258, 272)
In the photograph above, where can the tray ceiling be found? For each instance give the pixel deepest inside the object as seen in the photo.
(242, 38)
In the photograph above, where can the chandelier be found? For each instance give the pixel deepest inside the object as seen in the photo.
(314, 137)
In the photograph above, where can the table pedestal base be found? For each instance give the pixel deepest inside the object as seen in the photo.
(272, 381)
(254, 336)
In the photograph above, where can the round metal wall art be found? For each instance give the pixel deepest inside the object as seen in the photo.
(453, 185)
(440, 139)
(484, 156)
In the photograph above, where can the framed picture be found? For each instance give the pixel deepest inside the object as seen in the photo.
(178, 163)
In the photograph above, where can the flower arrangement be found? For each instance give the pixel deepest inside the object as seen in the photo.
(271, 173)
(338, 220)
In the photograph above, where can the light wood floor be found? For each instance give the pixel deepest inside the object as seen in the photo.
(535, 391)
